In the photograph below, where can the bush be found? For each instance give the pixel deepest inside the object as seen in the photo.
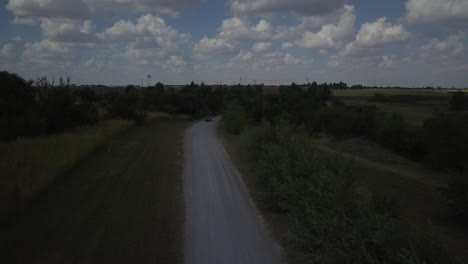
(457, 195)
(446, 142)
(235, 118)
(328, 224)
(19, 110)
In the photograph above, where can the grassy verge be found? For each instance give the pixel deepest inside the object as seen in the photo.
(29, 165)
(122, 204)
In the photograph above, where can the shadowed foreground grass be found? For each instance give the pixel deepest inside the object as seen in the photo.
(29, 165)
(122, 204)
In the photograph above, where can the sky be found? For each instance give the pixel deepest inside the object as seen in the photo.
(410, 43)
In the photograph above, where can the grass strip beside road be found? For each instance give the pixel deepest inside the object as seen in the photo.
(122, 204)
(29, 165)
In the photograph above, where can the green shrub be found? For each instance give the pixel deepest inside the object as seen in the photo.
(235, 118)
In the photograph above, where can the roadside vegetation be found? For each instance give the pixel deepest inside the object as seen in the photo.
(334, 201)
(122, 204)
(46, 128)
(331, 209)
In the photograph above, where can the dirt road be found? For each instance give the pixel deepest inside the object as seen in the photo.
(123, 204)
(222, 222)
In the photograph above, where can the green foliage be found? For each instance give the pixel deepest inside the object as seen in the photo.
(446, 142)
(42, 108)
(457, 196)
(19, 115)
(29, 165)
(458, 102)
(235, 118)
(128, 106)
(329, 223)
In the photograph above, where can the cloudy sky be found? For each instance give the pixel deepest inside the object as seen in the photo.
(397, 42)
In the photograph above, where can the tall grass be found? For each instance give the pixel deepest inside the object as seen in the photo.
(29, 165)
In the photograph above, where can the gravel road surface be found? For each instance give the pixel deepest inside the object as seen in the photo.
(222, 222)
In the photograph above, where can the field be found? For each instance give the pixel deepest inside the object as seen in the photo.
(416, 105)
(122, 204)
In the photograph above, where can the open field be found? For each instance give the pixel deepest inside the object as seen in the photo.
(415, 105)
(122, 204)
(391, 91)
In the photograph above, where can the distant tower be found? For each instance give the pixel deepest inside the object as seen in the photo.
(150, 82)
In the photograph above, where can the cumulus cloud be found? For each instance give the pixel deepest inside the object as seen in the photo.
(240, 30)
(296, 7)
(48, 8)
(137, 6)
(387, 62)
(287, 45)
(241, 58)
(449, 12)
(84, 8)
(68, 30)
(453, 44)
(47, 51)
(177, 61)
(261, 47)
(374, 35)
(149, 31)
(210, 46)
(330, 36)
(23, 21)
(7, 51)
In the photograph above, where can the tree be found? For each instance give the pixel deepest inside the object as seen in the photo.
(459, 102)
(19, 110)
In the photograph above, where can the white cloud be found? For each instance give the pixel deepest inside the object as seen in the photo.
(330, 36)
(23, 21)
(210, 46)
(68, 30)
(287, 45)
(177, 61)
(374, 35)
(261, 47)
(449, 12)
(453, 44)
(48, 8)
(46, 51)
(241, 58)
(387, 62)
(79, 9)
(297, 7)
(240, 30)
(138, 6)
(7, 51)
(291, 60)
(149, 31)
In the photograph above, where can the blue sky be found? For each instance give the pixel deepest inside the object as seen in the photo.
(398, 42)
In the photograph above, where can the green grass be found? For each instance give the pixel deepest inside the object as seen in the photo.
(122, 204)
(29, 165)
(389, 92)
(415, 113)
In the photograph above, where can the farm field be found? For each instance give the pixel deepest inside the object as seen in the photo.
(415, 105)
